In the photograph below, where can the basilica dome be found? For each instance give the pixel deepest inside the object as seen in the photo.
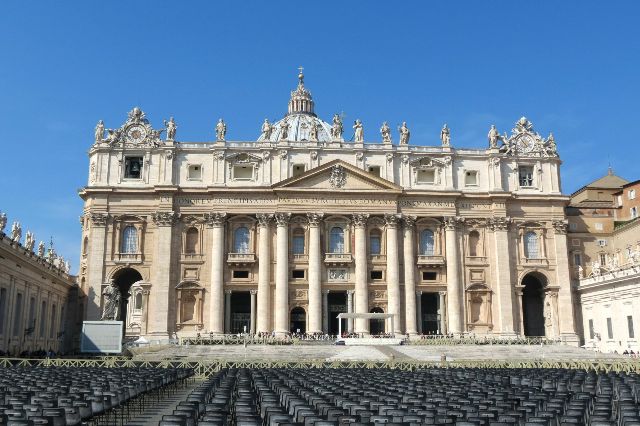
(298, 123)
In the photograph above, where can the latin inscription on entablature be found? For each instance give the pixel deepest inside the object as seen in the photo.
(334, 200)
(207, 201)
(474, 206)
(426, 203)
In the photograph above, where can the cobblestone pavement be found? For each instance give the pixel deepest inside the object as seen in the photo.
(373, 353)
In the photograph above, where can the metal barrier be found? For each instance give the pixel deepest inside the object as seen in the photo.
(486, 340)
(205, 368)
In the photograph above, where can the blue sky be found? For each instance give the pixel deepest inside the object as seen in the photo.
(571, 67)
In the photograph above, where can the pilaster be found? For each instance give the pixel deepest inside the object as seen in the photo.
(95, 264)
(504, 287)
(393, 278)
(454, 284)
(409, 276)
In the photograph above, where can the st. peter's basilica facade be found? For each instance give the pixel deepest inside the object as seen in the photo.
(283, 233)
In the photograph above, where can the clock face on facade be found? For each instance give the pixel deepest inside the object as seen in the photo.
(525, 143)
(136, 134)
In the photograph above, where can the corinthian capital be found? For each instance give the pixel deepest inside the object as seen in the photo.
(98, 219)
(282, 219)
(315, 218)
(360, 219)
(499, 223)
(264, 219)
(409, 221)
(215, 218)
(560, 226)
(392, 219)
(168, 218)
(452, 222)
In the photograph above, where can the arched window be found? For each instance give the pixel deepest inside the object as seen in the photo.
(191, 241)
(374, 242)
(297, 245)
(241, 240)
(531, 246)
(474, 239)
(336, 240)
(129, 240)
(427, 243)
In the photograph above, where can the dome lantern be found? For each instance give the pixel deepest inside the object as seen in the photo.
(301, 101)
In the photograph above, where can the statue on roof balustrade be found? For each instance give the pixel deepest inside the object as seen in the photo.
(404, 133)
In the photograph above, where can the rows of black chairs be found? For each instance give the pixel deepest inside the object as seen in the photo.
(466, 397)
(76, 395)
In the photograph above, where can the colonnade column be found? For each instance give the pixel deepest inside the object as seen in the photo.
(454, 290)
(442, 308)
(418, 296)
(161, 275)
(95, 263)
(264, 272)
(350, 310)
(393, 275)
(409, 277)
(565, 307)
(362, 296)
(216, 312)
(282, 274)
(252, 324)
(315, 271)
(325, 311)
(500, 228)
(227, 311)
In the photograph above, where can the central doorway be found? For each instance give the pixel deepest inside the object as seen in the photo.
(240, 312)
(430, 321)
(376, 326)
(533, 305)
(337, 302)
(298, 320)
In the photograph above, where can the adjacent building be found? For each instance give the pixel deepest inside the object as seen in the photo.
(282, 233)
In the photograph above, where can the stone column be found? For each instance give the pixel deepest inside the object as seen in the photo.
(350, 310)
(442, 307)
(393, 275)
(227, 311)
(315, 271)
(409, 277)
(282, 274)
(500, 228)
(519, 291)
(362, 294)
(325, 311)
(418, 295)
(563, 277)
(264, 273)
(254, 294)
(216, 312)
(454, 285)
(161, 275)
(97, 242)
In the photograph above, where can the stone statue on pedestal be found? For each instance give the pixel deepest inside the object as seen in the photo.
(580, 272)
(336, 128)
(171, 128)
(445, 135)
(41, 249)
(3, 221)
(16, 232)
(385, 131)
(358, 129)
(221, 130)
(313, 132)
(404, 133)
(99, 134)
(266, 129)
(493, 137)
(111, 307)
(29, 241)
(284, 130)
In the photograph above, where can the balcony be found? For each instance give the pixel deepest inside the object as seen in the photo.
(192, 258)
(476, 260)
(425, 261)
(300, 258)
(338, 258)
(128, 258)
(241, 258)
(378, 258)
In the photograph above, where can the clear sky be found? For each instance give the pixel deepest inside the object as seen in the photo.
(571, 67)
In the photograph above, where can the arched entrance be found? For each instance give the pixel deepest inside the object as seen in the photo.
(298, 320)
(533, 304)
(376, 326)
(124, 279)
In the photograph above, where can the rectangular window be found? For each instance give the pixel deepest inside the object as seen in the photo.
(573, 226)
(630, 327)
(577, 259)
(633, 212)
(376, 275)
(592, 334)
(17, 318)
(240, 274)
(374, 170)
(603, 259)
(297, 245)
(619, 198)
(429, 276)
(471, 178)
(297, 274)
(426, 176)
(242, 173)
(602, 243)
(374, 244)
(598, 226)
(632, 194)
(3, 308)
(609, 328)
(195, 172)
(525, 174)
(297, 170)
(575, 242)
(133, 167)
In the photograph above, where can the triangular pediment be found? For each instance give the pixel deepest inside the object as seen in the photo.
(337, 176)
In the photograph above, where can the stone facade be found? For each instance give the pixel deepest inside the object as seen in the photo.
(38, 301)
(282, 233)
